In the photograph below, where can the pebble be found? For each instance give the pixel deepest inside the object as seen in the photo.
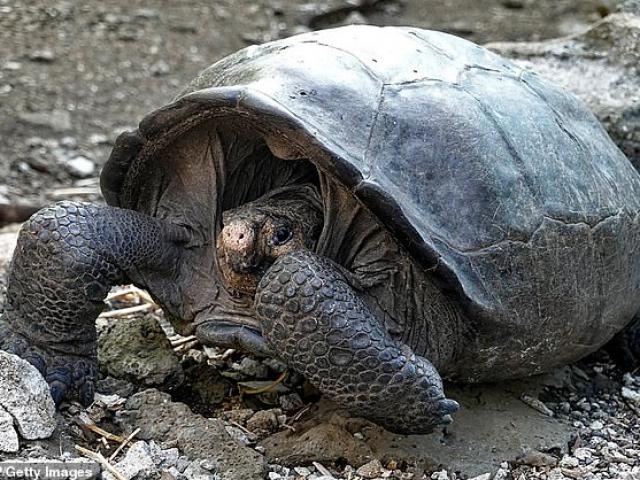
(99, 139)
(80, 167)
(45, 55)
(68, 142)
(373, 469)
(569, 462)
(251, 367)
(484, 476)
(302, 471)
(138, 462)
(160, 68)
(597, 425)
(57, 120)
(264, 421)
(12, 66)
(630, 394)
(537, 405)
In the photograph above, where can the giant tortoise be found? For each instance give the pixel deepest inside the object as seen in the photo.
(379, 208)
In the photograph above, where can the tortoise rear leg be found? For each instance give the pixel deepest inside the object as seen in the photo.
(67, 258)
(624, 348)
(316, 322)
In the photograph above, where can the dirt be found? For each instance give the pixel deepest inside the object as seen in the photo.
(74, 74)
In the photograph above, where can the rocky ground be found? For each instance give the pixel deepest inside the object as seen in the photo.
(74, 74)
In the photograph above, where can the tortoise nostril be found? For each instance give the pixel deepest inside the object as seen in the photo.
(241, 236)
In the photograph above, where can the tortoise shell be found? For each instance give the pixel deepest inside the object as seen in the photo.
(505, 187)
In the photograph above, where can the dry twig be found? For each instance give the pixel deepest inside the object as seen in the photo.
(127, 311)
(124, 444)
(98, 457)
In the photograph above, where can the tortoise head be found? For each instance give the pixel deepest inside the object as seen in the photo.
(255, 234)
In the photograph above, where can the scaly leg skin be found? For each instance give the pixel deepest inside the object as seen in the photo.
(624, 348)
(319, 326)
(67, 258)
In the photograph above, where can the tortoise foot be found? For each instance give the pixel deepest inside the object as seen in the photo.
(316, 322)
(67, 258)
(68, 375)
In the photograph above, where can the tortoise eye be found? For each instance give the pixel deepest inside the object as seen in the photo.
(283, 235)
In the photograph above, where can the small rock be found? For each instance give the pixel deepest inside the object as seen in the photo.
(537, 405)
(80, 167)
(373, 469)
(160, 68)
(535, 458)
(8, 436)
(264, 422)
(502, 473)
(240, 415)
(195, 471)
(99, 139)
(441, 475)
(556, 474)
(597, 425)
(239, 435)
(25, 396)
(138, 350)
(484, 476)
(251, 368)
(69, 142)
(302, 471)
(12, 66)
(45, 55)
(569, 462)
(291, 402)
(57, 120)
(138, 462)
(630, 394)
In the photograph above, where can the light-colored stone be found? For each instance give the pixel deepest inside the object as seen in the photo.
(631, 394)
(25, 395)
(80, 167)
(8, 436)
(370, 470)
(195, 472)
(138, 462)
(484, 476)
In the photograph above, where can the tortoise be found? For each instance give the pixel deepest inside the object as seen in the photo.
(380, 208)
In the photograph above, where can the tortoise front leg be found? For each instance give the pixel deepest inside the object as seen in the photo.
(67, 258)
(319, 326)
